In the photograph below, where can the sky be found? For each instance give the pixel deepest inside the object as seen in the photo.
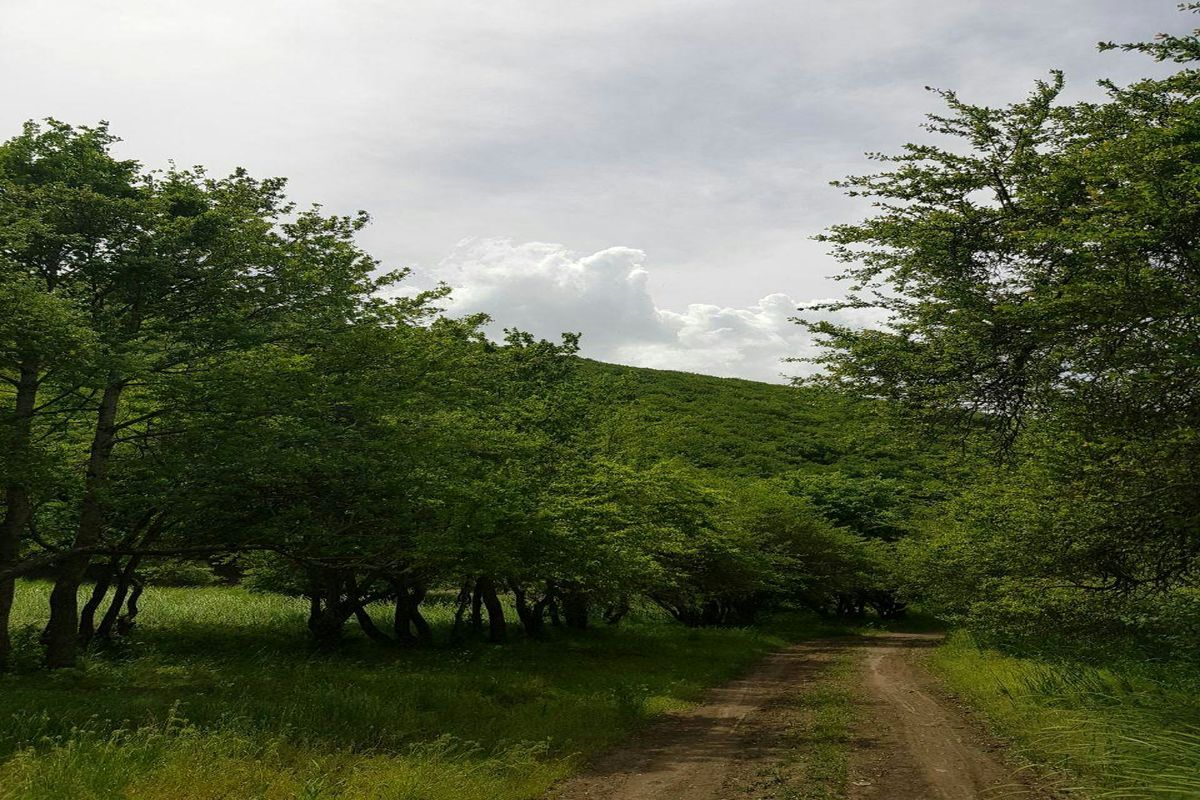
(649, 173)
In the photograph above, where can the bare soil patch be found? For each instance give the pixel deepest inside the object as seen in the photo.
(911, 742)
(914, 743)
(694, 755)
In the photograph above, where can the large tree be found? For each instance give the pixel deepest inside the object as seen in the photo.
(166, 275)
(1040, 265)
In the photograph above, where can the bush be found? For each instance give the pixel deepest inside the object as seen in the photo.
(179, 573)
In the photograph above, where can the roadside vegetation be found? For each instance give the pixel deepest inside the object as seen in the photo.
(1040, 265)
(199, 375)
(1124, 729)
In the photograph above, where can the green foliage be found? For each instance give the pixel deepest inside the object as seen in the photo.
(729, 426)
(1057, 549)
(200, 369)
(177, 572)
(804, 480)
(874, 507)
(1039, 267)
(1129, 729)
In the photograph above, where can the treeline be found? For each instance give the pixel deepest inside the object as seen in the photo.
(194, 371)
(1042, 270)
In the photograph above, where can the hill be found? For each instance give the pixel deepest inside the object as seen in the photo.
(750, 429)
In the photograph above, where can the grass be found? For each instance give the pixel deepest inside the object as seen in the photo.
(817, 733)
(1113, 731)
(218, 696)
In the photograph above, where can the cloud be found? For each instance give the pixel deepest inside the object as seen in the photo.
(703, 132)
(548, 289)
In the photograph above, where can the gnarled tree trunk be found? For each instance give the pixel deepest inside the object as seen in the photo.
(575, 609)
(409, 624)
(61, 634)
(485, 589)
(465, 596)
(617, 611)
(531, 614)
(87, 616)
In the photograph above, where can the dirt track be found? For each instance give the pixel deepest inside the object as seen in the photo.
(914, 743)
(911, 743)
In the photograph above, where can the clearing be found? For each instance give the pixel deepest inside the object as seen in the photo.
(909, 742)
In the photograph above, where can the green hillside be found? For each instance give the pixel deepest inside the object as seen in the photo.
(750, 429)
(734, 426)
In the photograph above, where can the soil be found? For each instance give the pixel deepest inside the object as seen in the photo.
(912, 742)
(915, 742)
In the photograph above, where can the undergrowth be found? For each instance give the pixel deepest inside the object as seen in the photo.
(1118, 730)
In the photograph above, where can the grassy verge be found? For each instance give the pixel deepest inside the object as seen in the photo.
(218, 696)
(1128, 731)
(817, 735)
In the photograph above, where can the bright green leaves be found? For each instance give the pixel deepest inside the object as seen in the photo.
(1040, 264)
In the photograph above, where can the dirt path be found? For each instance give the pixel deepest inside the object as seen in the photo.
(911, 743)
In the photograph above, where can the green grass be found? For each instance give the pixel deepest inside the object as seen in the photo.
(817, 733)
(1119, 731)
(219, 696)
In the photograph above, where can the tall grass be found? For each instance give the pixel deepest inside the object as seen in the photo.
(218, 695)
(1115, 731)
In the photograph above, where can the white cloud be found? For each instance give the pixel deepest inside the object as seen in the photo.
(705, 132)
(547, 289)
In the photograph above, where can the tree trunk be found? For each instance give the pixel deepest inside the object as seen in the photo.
(126, 621)
(531, 616)
(575, 610)
(683, 612)
(424, 632)
(617, 611)
(15, 519)
(127, 578)
(886, 603)
(464, 600)
(61, 634)
(369, 627)
(485, 589)
(108, 623)
(402, 623)
(326, 622)
(410, 626)
(87, 617)
(18, 510)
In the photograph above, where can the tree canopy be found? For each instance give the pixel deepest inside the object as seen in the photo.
(1039, 265)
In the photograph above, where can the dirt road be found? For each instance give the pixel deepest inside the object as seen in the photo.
(914, 743)
(911, 743)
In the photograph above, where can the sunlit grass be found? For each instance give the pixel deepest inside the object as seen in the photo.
(219, 695)
(1128, 731)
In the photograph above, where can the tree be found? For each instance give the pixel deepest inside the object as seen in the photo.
(336, 457)
(66, 210)
(168, 274)
(1040, 271)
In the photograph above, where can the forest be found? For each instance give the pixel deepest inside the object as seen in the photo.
(273, 519)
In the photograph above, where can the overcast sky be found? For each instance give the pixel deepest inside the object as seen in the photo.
(648, 172)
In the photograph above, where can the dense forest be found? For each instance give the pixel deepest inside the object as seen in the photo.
(205, 384)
